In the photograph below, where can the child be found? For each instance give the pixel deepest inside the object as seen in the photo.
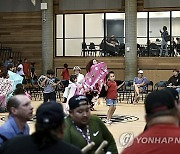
(65, 75)
(111, 97)
(73, 89)
(49, 89)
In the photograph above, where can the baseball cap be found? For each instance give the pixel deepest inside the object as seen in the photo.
(50, 113)
(140, 72)
(76, 101)
(157, 102)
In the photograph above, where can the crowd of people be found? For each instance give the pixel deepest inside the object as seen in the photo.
(80, 129)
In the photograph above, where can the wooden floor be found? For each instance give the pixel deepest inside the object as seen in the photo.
(129, 111)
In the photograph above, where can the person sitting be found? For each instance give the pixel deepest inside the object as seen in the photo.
(20, 90)
(20, 111)
(140, 85)
(174, 81)
(47, 137)
(162, 133)
(8, 61)
(83, 128)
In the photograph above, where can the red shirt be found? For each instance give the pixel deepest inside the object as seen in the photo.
(26, 69)
(158, 139)
(112, 90)
(65, 74)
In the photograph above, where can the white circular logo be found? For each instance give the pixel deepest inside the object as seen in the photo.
(126, 139)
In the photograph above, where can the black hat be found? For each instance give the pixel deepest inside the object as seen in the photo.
(157, 102)
(76, 101)
(50, 113)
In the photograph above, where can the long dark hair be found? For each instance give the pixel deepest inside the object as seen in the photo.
(45, 135)
(19, 89)
(88, 66)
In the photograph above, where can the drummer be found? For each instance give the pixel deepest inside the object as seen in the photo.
(49, 89)
(174, 81)
(83, 128)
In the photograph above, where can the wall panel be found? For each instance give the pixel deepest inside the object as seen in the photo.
(22, 32)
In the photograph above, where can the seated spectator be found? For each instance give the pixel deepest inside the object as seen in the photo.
(83, 128)
(20, 111)
(8, 61)
(140, 85)
(162, 135)
(174, 81)
(20, 90)
(47, 137)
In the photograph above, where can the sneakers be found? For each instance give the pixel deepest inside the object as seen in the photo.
(109, 122)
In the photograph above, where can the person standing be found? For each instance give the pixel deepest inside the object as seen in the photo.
(49, 89)
(65, 75)
(164, 36)
(20, 69)
(111, 96)
(26, 68)
(20, 111)
(73, 89)
(80, 77)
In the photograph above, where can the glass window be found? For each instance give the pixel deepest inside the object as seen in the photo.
(156, 22)
(94, 25)
(73, 26)
(142, 28)
(73, 47)
(115, 24)
(59, 26)
(59, 47)
(175, 24)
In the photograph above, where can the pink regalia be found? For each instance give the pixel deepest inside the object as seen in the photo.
(5, 89)
(94, 79)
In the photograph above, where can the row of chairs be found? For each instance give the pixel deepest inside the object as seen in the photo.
(91, 49)
(126, 93)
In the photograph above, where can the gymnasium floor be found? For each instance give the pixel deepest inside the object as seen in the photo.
(130, 117)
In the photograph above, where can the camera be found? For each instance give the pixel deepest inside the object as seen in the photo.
(44, 20)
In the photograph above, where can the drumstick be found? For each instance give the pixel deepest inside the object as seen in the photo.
(102, 145)
(87, 147)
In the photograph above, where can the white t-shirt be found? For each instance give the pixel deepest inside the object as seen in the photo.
(80, 78)
(20, 68)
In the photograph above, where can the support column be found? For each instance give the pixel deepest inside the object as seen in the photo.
(131, 39)
(47, 36)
